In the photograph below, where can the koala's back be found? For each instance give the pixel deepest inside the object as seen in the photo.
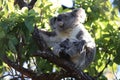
(83, 59)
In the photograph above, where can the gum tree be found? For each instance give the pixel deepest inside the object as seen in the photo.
(21, 57)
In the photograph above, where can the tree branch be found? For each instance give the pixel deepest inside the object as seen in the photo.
(39, 40)
(35, 76)
(101, 72)
(22, 4)
(47, 54)
(31, 4)
(30, 73)
(17, 67)
(70, 69)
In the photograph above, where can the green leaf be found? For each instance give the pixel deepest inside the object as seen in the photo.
(12, 46)
(29, 22)
(2, 33)
(24, 10)
(32, 12)
(117, 59)
(44, 65)
(14, 40)
(1, 63)
(1, 14)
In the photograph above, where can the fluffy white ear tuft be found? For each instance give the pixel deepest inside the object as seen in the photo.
(80, 13)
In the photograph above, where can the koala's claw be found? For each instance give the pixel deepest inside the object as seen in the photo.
(64, 55)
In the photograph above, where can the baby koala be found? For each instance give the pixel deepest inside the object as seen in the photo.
(69, 38)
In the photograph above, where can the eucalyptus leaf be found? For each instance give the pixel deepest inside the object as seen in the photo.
(29, 22)
(12, 46)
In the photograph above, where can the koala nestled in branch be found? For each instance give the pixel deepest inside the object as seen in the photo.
(69, 38)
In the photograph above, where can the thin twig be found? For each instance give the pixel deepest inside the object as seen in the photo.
(100, 73)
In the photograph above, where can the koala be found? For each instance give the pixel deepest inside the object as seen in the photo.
(69, 38)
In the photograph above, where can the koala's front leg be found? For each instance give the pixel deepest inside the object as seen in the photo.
(57, 49)
(49, 37)
(37, 35)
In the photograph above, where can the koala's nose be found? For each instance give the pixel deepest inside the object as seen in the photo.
(59, 18)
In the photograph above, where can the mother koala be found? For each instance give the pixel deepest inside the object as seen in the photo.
(69, 38)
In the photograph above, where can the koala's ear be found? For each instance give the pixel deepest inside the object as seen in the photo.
(80, 13)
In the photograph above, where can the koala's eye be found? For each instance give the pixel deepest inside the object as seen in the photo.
(59, 18)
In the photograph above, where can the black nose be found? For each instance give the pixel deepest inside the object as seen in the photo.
(59, 18)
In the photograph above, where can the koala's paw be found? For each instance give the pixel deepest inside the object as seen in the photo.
(65, 44)
(57, 49)
(64, 55)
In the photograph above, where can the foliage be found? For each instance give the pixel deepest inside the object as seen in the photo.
(16, 27)
(103, 23)
(116, 3)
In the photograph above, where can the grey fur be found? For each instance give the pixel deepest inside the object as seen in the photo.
(71, 40)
